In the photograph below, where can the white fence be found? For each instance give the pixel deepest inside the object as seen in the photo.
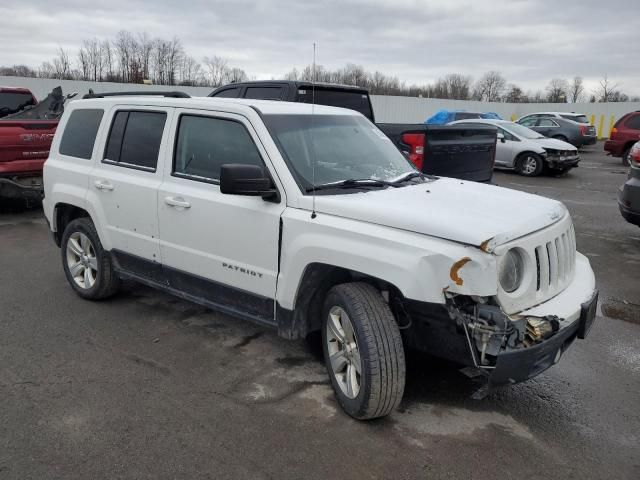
(388, 109)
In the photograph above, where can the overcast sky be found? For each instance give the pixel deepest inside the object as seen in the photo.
(529, 41)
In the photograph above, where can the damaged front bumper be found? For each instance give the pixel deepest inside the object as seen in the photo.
(513, 366)
(514, 348)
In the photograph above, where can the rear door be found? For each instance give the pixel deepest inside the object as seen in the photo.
(124, 183)
(221, 248)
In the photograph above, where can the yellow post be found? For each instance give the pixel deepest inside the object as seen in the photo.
(612, 120)
(601, 126)
(513, 117)
(593, 119)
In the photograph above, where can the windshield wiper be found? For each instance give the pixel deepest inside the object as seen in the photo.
(352, 183)
(410, 176)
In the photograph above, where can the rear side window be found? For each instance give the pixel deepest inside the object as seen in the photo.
(228, 93)
(264, 93)
(356, 100)
(204, 144)
(546, 122)
(633, 122)
(528, 122)
(576, 118)
(134, 139)
(80, 133)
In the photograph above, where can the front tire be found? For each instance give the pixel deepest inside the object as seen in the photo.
(363, 351)
(529, 164)
(86, 264)
(625, 157)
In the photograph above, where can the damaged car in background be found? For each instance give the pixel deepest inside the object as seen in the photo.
(311, 220)
(26, 133)
(528, 152)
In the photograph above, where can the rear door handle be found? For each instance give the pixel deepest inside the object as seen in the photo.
(102, 185)
(177, 202)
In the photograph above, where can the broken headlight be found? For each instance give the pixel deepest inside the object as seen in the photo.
(511, 270)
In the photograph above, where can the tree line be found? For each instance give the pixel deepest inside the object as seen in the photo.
(138, 58)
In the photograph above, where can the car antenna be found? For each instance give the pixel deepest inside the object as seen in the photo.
(313, 150)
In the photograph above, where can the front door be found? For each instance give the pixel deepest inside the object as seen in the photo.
(220, 248)
(504, 149)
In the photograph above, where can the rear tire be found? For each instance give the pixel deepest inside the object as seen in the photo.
(529, 164)
(363, 351)
(86, 264)
(625, 157)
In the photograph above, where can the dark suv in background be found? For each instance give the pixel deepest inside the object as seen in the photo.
(624, 134)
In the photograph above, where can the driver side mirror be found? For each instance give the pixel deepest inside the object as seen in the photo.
(501, 137)
(248, 180)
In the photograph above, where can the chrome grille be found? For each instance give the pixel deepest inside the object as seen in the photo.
(555, 262)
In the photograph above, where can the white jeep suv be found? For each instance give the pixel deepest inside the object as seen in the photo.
(308, 219)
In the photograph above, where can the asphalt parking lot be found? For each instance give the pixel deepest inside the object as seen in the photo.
(148, 386)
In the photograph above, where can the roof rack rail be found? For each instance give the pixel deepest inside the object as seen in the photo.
(175, 94)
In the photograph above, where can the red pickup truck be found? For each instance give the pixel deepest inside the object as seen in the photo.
(25, 139)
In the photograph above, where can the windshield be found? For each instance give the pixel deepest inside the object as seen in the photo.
(344, 147)
(521, 131)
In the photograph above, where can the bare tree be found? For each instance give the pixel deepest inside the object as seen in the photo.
(217, 70)
(61, 65)
(605, 91)
(236, 75)
(557, 90)
(109, 61)
(190, 72)
(576, 90)
(515, 94)
(18, 71)
(489, 87)
(457, 86)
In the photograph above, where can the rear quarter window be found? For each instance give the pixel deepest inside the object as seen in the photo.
(80, 132)
(633, 122)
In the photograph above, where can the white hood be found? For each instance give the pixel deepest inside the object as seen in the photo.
(467, 212)
(554, 143)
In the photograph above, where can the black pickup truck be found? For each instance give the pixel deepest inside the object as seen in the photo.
(465, 152)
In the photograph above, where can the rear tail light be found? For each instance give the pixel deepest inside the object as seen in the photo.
(416, 145)
(612, 135)
(583, 130)
(634, 155)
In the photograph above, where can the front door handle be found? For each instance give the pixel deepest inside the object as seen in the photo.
(102, 185)
(177, 202)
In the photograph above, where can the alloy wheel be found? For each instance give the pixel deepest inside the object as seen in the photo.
(343, 351)
(81, 260)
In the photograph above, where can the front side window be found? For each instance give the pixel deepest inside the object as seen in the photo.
(204, 144)
(228, 93)
(321, 149)
(528, 122)
(80, 133)
(134, 139)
